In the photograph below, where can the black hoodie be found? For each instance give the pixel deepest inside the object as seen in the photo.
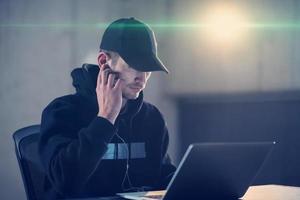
(84, 155)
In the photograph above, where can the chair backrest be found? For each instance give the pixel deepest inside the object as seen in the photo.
(26, 146)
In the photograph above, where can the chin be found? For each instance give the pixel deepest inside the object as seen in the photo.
(131, 96)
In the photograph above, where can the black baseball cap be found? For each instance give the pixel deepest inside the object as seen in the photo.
(135, 42)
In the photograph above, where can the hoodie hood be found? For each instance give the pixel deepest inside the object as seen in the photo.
(85, 82)
(85, 79)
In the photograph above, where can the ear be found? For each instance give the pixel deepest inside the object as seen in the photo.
(101, 58)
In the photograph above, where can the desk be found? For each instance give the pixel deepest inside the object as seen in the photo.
(262, 192)
(272, 192)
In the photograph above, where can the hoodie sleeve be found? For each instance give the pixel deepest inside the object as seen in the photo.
(70, 155)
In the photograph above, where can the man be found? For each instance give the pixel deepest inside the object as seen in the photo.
(105, 139)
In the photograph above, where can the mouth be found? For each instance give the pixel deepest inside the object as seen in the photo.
(136, 88)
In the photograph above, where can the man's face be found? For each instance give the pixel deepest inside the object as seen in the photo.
(134, 81)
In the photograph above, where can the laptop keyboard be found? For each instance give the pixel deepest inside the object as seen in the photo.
(155, 196)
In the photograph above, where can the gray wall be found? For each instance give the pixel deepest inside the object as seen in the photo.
(36, 59)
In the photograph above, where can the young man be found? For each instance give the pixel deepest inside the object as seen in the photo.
(105, 139)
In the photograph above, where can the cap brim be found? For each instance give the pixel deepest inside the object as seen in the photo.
(144, 63)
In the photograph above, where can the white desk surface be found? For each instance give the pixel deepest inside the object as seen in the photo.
(272, 192)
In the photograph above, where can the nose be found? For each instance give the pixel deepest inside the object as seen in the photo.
(140, 77)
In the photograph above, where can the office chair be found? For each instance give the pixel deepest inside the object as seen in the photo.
(26, 146)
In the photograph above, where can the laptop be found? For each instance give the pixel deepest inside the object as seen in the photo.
(212, 171)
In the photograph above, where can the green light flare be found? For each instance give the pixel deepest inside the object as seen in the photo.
(268, 26)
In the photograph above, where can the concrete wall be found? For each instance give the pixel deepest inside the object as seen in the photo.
(39, 48)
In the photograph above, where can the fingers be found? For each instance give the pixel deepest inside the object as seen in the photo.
(104, 75)
(111, 79)
(108, 77)
(118, 84)
(99, 76)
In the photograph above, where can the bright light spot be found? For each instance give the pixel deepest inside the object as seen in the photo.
(224, 24)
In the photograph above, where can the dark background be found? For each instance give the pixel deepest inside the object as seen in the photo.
(251, 117)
